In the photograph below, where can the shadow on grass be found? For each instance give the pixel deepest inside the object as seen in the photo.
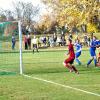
(82, 70)
(7, 73)
(46, 71)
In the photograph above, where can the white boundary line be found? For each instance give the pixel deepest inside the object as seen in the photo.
(61, 85)
(4, 70)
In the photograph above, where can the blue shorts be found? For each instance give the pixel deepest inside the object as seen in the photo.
(77, 54)
(92, 53)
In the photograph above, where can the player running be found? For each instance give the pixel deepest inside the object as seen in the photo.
(98, 59)
(92, 51)
(98, 63)
(70, 60)
(78, 51)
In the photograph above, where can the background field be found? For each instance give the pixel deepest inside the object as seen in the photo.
(46, 65)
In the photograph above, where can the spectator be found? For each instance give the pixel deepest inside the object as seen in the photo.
(40, 41)
(75, 29)
(51, 41)
(48, 43)
(13, 42)
(29, 41)
(70, 36)
(44, 41)
(63, 40)
(26, 42)
(86, 40)
(59, 41)
(55, 38)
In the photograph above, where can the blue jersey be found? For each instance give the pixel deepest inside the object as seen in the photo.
(78, 47)
(93, 44)
(93, 47)
(97, 42)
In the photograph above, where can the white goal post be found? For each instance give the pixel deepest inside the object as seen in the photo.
(20, 46)
(20, 43)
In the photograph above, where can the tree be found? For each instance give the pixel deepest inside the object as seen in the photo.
(2, 18)
(25, 11)
(75, 12)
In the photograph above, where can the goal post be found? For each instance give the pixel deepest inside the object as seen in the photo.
(20, 46)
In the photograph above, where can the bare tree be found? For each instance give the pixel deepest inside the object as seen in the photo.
(25, 11)
(6, 15)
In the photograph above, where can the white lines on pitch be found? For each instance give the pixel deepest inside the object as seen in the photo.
(61, 85)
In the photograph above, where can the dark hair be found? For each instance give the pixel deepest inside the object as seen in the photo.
(70, 40)
(95, 37)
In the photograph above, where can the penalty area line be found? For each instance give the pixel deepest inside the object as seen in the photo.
(61, 85)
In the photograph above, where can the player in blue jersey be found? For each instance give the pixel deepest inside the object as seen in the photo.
(93, 46)
(98, 43)
(78, 51)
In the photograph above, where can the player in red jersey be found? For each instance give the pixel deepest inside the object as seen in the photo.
(70, 60)
(98, 64)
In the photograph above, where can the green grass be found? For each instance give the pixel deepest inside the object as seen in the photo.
(46, 65)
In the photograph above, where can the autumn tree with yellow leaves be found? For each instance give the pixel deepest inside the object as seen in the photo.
(76, 12)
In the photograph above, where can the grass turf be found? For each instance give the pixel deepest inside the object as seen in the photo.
(46, 65)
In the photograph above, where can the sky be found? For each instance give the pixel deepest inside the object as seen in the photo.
(7, 4)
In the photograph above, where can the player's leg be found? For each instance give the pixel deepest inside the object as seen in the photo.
(92, 57)
(89, 62)
(73, 67)
(77, 55)
(37, 48)
(66, 63)
(12, 45)
(98, 64)
(33, 48)
(95, 60)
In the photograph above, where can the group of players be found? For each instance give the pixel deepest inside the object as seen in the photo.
(94, 43)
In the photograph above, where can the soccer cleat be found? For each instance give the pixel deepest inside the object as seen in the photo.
(77, 72)
(71, 71)
(80, 63)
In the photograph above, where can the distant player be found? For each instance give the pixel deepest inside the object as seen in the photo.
(93, 46)
(13, 42)
(35, 43)
(70, 60)
(78, 51)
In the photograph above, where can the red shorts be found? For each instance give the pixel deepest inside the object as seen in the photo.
(69, 60)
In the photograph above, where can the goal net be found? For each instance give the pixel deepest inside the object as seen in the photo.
(9, 47)
(12, 50)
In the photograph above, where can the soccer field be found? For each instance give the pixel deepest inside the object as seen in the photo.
(45, 78)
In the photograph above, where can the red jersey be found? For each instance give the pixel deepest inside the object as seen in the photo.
(71, 51)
